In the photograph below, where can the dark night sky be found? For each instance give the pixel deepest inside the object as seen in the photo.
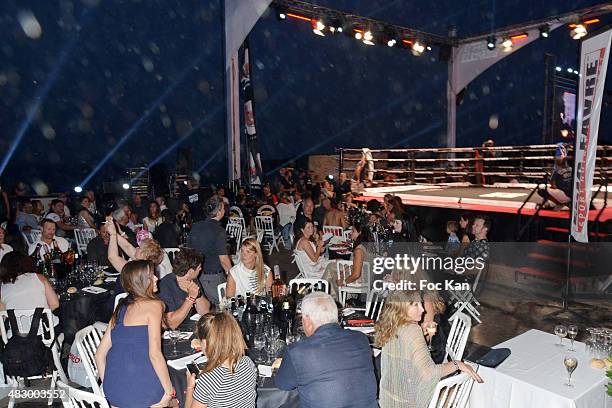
(117, 58)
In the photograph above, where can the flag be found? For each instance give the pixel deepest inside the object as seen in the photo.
(250, 130)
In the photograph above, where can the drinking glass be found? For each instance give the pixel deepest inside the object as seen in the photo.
(570, 362)
(431, 328)
(572, 331)
(174, 336)
(561, 332)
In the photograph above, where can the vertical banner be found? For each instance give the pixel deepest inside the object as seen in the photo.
(250, 131)
(233, 119)
(594, 55)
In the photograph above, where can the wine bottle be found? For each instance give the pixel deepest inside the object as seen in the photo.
(278, 287)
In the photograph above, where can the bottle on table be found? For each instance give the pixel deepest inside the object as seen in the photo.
(278, 287)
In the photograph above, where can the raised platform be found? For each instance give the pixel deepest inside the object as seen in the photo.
(504, 198)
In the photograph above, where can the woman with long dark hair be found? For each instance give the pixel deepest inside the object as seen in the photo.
(129, 359)
(86, 219)
(154, 219)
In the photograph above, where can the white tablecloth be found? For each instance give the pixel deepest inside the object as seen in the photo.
(534, 374)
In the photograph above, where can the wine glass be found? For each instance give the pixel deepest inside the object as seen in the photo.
(561, 332)
(174, 336)
(431, 328)
(570, 362)
(572, 331)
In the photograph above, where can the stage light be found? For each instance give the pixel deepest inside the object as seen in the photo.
(358, 35)
(339, 29)
(558, 69)
(318, 27)
(491, 42)
(578, 32)
(282, 16)
(517, 37)
(576, 72)
(391, 42)
(417, 48)
(126, 186)
(428, 48)
(506, 45)
(544, 31)
(78, 189)
(570, 70)
(368, 37)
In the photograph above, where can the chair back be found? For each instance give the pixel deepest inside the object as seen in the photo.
(320, 285)
(234, 230)
(221, 290)
(452, 392)
(46, 329)
(81, 399)
(235, 212)
(118, 298)
(171, 252)
(344, 269)
(82, 237)
(347, 235)
(87, 342)
(458, 336)
(374, 304)
(238, 220)
(32, 236)
(336, 231)
(264, 225)
(267, 210)
(296, 258)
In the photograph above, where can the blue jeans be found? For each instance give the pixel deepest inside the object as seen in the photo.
(286, 231)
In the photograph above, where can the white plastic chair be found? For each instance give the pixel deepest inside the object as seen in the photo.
(301, 282)
(171, 252)
(234, 230)
(81, 399)
(374, 304)
(336, 231)
(46, 332)
(82, 237)
(87, 342)
(466, 300)
(264, 225)
(298, 262)
(238, 220)
(266, 210)
(118, 298)
(32, 236)
(347, 235)
(235, 212)
(221, 290)
(458, 336)
(452, 392)
(344, 269)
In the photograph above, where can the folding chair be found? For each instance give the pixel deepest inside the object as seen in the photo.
(118, 298)
(318, 284)
(347, 235)
(171, 252)
(452, 392)
(345, 268)
(81, 399)
(46, 332)
(264, 225)
(221, 290)
(31, 237)
(334, 230)
(87, 342)
(83, 236)
(458, 336)
(298, 262)
(267, 210)
(234, 230)
(466, 299)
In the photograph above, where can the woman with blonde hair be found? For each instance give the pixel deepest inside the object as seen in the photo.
(129, 359)
(229, 378)
(408, 374)
(250, 274)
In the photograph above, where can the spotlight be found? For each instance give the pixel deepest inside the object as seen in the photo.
(570, 70)
(318, 27)
(282, 16)
(491, 42)
(358, 35)
(558, 69)
(368, 37)
(578, 32)
(576, 72)
(339, 29)
(126, 186)
(78, 189)
(428, 48)
(506, 45)
(417, 48)
(391, 42)
(544, 30)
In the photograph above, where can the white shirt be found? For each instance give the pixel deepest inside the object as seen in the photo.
(246, 279)
(151, 224)
(27, 292)
(286, 213)
(62, 244)
(53, 217)
(5, 249)
(165, 267)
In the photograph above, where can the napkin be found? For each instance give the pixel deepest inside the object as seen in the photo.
(183, 336)
(181, 363)
(264, 370)
(94, 289)
(113, 279)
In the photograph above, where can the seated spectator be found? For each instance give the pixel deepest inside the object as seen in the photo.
(129, 358)
(38, 209)
(180, 290)
(153, 220)
(221, 194)
(48, 240)
(286, 217)
(320, 211)
(4, 248)
(97, 248)
(305, 212)
(327, 189)
(122, 220)
(331, 367)
(334, 216)
(267, 197)
(229, 378)
(22, 287)
(465, 228)
(251, 275)
(344, 185)
(93, 208)
(161, 202)
(310, 251)
(167, 233)
(479, 247)
(58, 216)
(453, 244)
(408, 374)
(26, 221)
(139, 209)
(86, 219)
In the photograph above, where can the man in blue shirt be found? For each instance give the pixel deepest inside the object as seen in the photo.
(331, 367)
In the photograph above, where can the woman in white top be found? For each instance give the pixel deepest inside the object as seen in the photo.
(85, 217)
(154, 219)
(21, 287)
(4, 248)
(309, 252)
(251, 274)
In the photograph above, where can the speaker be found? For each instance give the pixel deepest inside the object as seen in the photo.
(184, 161)
(445, 53)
